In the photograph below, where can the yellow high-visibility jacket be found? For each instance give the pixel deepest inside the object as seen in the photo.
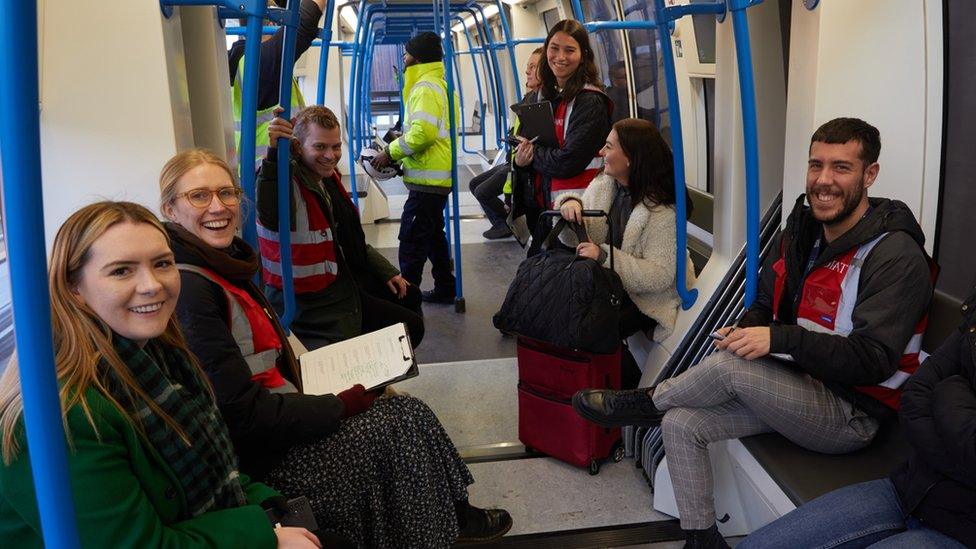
(424, 149)
(261, 140)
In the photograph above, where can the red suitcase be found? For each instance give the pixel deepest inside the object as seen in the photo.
(549, 376)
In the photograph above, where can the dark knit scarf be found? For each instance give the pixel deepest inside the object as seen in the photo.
(207, 468)
(237, 263)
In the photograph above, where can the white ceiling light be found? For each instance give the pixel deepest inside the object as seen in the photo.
(469, 21)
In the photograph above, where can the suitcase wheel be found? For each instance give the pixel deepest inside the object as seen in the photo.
(594, 466)
(618, 453)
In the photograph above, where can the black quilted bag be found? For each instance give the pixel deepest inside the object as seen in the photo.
(563, 299)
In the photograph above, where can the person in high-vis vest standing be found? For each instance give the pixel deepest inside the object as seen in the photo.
(424, 151)
(823, 353)
(269, 74)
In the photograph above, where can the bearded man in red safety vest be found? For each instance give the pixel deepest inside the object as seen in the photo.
(842, 302)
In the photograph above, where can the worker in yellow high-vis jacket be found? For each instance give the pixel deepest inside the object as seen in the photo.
(424, 151)
(269, 74)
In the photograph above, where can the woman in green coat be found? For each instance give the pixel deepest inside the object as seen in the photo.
(150, 461)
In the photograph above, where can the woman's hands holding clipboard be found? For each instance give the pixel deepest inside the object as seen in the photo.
(525, 151)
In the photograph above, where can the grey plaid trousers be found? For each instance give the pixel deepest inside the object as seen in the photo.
(726, 397)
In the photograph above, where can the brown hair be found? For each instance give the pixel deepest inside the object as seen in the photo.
(586, 73)
(315, 114)
(82, 341)
(651, 178)
(841, 130)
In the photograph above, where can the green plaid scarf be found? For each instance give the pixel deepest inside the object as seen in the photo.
(207, 469)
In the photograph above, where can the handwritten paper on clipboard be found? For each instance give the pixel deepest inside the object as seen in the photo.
(373, 360)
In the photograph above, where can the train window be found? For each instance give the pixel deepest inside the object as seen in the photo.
(647, 68)
(7, 342)
(550, 18)
(608, 48)
(704, 26)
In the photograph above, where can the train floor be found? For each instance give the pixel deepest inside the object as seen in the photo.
(468, 376)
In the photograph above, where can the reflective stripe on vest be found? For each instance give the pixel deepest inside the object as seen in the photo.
(826, 305)
(578, 182)
(313, 257)
(253, 330)
(264, 117)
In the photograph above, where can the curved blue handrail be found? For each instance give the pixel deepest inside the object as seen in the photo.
(511, 48)
(449, 80)
(20, 147)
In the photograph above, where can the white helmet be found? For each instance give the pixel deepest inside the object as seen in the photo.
(378, 174)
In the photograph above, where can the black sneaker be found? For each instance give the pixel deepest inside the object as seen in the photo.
(437, 296)
(709, 538)
(497, 232)
(481, 525)
(617, 408)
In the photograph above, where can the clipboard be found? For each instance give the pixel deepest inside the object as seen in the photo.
(536, 121)
(375, 360)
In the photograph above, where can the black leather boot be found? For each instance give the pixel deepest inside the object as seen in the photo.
(708, 538)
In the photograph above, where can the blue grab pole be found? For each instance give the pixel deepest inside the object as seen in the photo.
(249, 117)
(501, 105)
(352, 118)
(747, 96)
(326, 36)
(21, 152)
(284, 172)
(449, 80)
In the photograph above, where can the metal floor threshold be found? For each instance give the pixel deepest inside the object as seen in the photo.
(605, 536)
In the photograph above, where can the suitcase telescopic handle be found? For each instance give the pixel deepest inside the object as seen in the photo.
(576, 226)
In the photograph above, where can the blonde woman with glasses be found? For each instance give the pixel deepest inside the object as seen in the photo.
(381, 471)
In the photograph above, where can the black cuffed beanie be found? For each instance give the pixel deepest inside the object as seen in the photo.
(425, 47)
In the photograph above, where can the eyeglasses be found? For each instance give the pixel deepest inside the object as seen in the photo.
(201, 198)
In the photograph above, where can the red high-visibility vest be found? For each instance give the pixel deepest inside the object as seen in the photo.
(826, 305)
(253, 330)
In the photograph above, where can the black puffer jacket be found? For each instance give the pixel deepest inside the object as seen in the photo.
(938, 416)
(893, 293)
(263, 425)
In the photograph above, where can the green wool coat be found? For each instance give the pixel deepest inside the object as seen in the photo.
(125, 495)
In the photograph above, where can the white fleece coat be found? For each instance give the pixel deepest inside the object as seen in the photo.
(646, 264)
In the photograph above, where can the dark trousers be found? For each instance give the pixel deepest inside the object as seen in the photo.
(422, 237)
(382, 308)
(632, 320)
(486, 187)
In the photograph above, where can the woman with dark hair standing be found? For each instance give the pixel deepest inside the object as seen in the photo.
(571, 82)
(636, 189)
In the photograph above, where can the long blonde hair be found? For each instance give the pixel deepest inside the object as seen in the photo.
(82, 341)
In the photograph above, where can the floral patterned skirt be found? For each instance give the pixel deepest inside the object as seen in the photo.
(389, 477)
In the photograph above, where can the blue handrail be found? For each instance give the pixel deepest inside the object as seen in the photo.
(511, 49)
(20, 148)
(284, 166)
(747, 96)
(664, 17)
(459, 304)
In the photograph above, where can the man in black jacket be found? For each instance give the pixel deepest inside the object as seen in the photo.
(927, 502)
(842, 300)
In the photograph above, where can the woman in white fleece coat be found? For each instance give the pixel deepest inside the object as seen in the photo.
(636, 189)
